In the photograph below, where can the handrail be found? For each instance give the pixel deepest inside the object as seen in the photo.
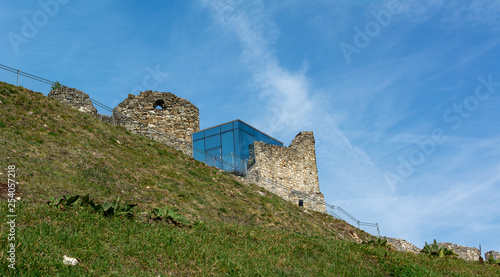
(19, 72)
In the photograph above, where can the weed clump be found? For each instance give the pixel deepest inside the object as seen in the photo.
(436, 251)
(108, 209)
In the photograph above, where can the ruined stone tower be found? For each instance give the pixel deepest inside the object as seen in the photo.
(161, 116)
(293, 167)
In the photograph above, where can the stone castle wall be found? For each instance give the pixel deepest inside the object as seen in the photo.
(293, 167)
(172, 124)
(74, 98)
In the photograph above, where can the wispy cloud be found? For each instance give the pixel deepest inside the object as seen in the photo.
(289, 97)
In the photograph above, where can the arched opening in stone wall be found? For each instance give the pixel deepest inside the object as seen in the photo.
(159, 104)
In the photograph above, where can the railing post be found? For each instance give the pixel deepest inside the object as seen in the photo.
(17, 81)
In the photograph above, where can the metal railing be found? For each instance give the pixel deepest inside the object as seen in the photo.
(19, 78)
(230, 162)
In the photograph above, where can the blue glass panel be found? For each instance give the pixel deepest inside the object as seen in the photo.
(261, 137)
(199, 150)
(214, 158)
(199, 144)
(226, 127)
(247, 128)
(199, 135)
(227, 143)
(247, 140)
(238, 141)
(215, 152)
(213, 141)
(228, 163)
(212, 131)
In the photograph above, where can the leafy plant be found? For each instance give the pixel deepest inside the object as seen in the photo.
(378, 242)
(86, 201)
(56, 85)
(114, 208)
(172, 215)
(491, 260)
(435, 250)
(70, 201)
(107, 209)
(63, 201)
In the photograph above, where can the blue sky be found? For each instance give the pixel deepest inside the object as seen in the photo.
(402, 96)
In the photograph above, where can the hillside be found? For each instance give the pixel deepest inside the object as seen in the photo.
(236, 228)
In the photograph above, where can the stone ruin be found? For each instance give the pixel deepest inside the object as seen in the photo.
(293, 167)
(403, 246)
(463, 252)
(172, 120)
(495, 255)
(153, 114)
(74, 98)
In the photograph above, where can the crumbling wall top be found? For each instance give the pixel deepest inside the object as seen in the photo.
(156, 101)
(162, 116)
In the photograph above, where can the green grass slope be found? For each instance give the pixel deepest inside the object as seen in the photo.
(235, 230)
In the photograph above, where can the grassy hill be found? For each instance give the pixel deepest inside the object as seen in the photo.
(236, 229)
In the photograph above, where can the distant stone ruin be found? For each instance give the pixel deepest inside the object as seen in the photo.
(294, 167)
(495, 255)
(154, 113)
(403, 246)
(464, 253)
(74, 98)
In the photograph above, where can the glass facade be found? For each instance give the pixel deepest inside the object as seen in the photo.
(228, 146)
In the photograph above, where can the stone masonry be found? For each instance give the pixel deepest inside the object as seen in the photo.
(74, 98)
(293, 167)
(464, 253)
(161, 116)
(403, 246)
(496, 255)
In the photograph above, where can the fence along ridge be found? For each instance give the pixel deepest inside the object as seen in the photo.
(150, 130)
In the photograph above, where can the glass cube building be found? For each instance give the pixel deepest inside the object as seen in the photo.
(228, 146)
